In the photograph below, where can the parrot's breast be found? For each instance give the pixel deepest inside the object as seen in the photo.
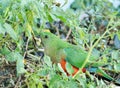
(55, 54)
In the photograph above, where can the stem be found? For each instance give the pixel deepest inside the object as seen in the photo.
(90, 51)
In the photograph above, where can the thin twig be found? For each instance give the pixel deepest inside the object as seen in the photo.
(57, 30)
(4, 77)
(16, 85)
(68, 34)
(26, 48)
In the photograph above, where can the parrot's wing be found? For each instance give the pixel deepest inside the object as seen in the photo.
(77, 56)
(74, 56)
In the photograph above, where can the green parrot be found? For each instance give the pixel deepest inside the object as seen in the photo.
(63, 52)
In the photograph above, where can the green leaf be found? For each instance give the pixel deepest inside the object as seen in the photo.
(2, 30)
(82, 80)
(40, 85)
(115, 55)
(56, 82)
(32, 85)
(82, 34)
(69, 68)
(53, 16)
(49, 17)
(61, 69)
(91, 85)
(10, 31)
(47, 61)
(72, 84)
(11, 57)
(43, 72)
(117, 67)
(19, 64)
(102, 84)
(5, 50)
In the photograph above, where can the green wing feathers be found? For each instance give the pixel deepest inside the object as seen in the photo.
(77, 56)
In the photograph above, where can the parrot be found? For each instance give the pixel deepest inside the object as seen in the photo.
(63, 52)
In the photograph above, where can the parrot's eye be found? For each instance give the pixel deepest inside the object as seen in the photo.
(46, 36)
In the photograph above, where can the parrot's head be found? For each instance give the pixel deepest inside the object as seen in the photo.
(47, 38)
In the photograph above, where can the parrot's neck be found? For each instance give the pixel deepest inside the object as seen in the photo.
(55, 50)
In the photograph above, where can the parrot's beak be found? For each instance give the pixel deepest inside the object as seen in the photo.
(40, 37)
(38, 41)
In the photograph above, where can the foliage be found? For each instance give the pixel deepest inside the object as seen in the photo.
(93, 25)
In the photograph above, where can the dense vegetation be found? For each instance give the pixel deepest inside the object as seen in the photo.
(91, 24)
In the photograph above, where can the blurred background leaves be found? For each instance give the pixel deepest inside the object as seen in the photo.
(83, 23)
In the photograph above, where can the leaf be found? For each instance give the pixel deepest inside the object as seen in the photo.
(117, 67)
(82, 34)
(49, 17)
(5, 50)
(10, 31)
(19, 64)
(43, 72)
(14, 56)
(10, 56)
(47, 61)
(115, 55)
(61, 69)
(116, 41)
(91, 85)
(40, 85)
(96, 53)
(66, 1)
(69, 68)
(29, 30)
(53, 16)
(2, 30)
(58, 13)
(72, 84)
(55, 82)
(82, 80)
(102, 84)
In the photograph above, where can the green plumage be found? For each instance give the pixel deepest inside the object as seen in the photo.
(58, 49)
